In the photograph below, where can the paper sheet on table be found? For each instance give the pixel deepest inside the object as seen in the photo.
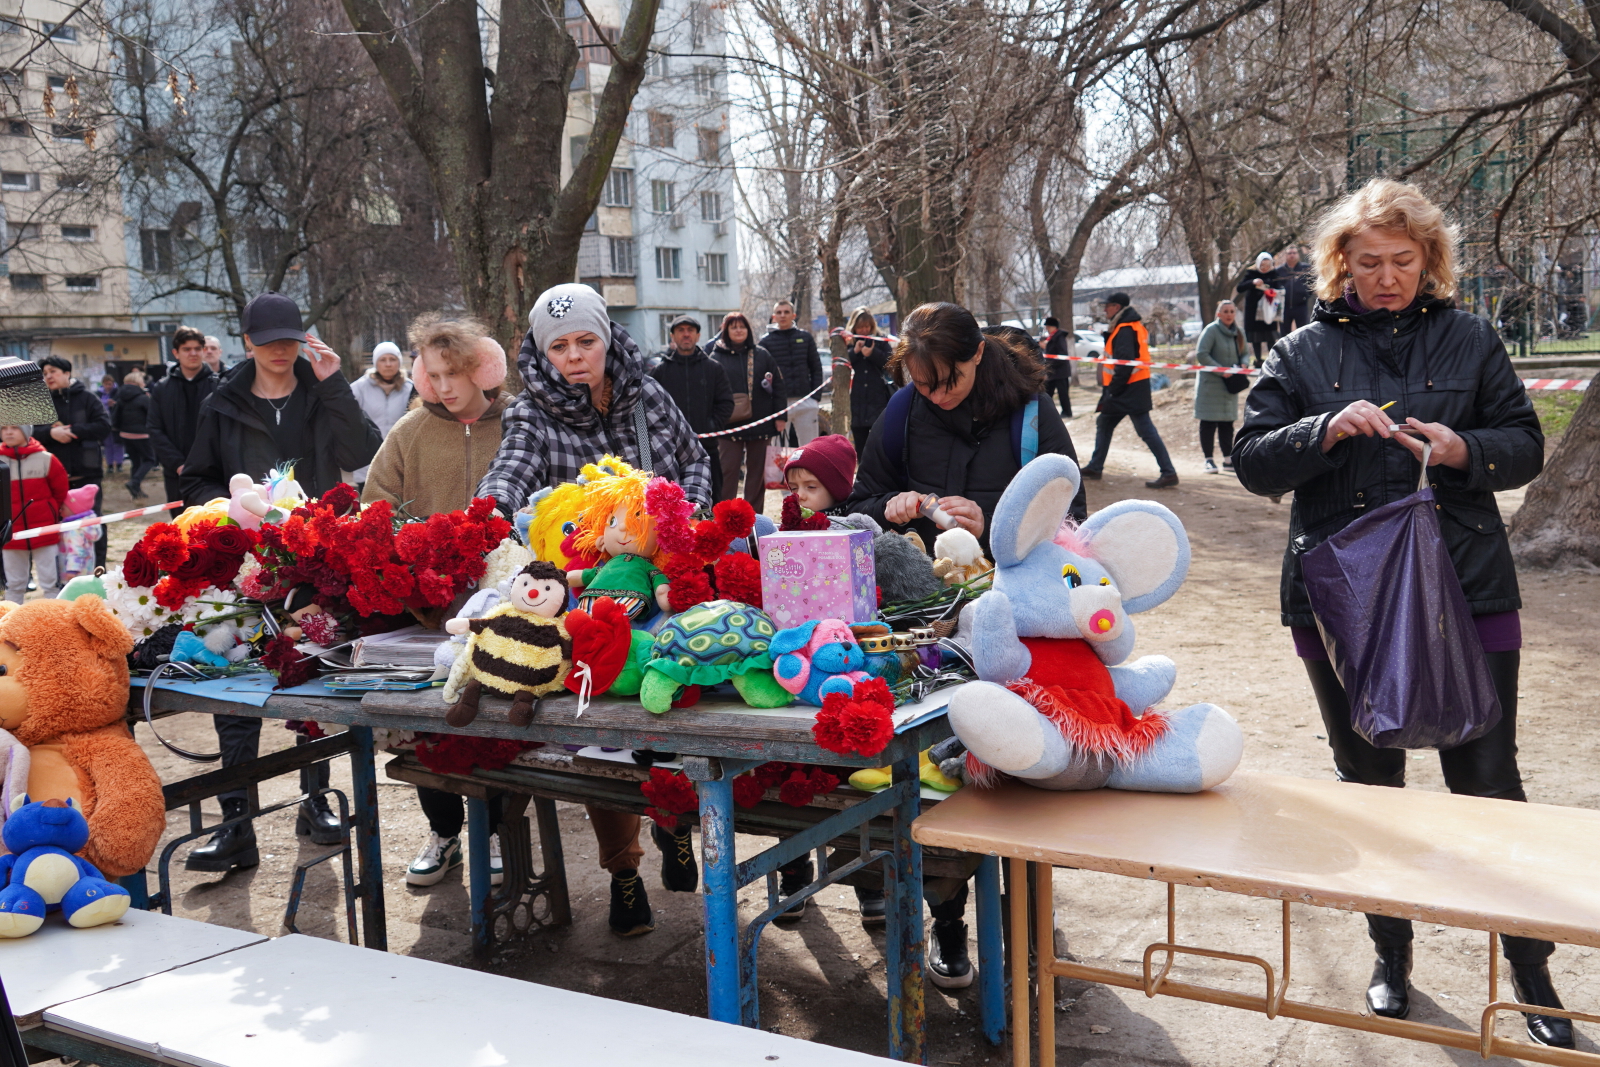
(251, 689)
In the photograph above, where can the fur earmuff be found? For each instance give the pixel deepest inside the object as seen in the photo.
(488, 371)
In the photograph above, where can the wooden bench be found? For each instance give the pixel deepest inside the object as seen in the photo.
(160, 990)
(1532, 870)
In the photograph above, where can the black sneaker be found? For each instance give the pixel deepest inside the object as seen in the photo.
(949, 966)
(1093, 476)
(791, 879)
(872, 907)
(630, 905)
(679, 872)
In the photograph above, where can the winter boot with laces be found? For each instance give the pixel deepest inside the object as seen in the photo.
(949, 967)
(630, 905)
(679, 872)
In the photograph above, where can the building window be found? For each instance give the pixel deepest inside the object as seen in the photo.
(662, 134)
(18, 182)
(699, 24)
(622, 261)
(580, 78)
(577, 146)
(67, 131)
(18, 128)
(11, 79)
(155, 251)
(9, 26)
(23, 231)
(663, 197)
(710, 145)
(705, 81)
(618, 191)
(714, 268)
(656, 65)
(78, 183)
(82, 283)
(28, 283)
(669, 264)
(77, 233)
(710, 207)
(56, 81)
(59, 32)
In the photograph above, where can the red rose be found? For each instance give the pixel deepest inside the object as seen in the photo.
(138, 569)
(198, 565)
(224, 569)
(230, 540)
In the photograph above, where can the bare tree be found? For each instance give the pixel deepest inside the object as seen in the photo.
(495, 161)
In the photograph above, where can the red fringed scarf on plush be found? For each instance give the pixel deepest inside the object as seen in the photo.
(1072, 688)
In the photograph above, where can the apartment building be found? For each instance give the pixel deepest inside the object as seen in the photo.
(662, 241)
(63, 286)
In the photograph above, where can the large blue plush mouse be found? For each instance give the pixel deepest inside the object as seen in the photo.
(41, 873)
(1056, 706)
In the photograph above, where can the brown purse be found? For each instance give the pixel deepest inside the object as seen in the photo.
(742, 409)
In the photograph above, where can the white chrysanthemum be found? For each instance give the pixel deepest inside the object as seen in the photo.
(134, 606)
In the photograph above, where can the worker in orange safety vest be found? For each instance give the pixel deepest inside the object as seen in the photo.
(1125, 391)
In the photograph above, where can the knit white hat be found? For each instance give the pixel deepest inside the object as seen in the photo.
(568, 308)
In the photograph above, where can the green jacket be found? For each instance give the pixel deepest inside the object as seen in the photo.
(1217, 347)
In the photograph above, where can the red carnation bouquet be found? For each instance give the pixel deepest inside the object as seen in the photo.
(862, 722)
(373, 562)
(672, 794)
(699, 566)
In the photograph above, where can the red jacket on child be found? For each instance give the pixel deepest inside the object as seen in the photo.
(38, 489)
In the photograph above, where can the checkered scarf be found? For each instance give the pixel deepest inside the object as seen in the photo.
(551, 430)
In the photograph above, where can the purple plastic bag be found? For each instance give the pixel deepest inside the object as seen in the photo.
(1398, 629)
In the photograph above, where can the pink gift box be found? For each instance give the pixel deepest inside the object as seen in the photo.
(818, 574)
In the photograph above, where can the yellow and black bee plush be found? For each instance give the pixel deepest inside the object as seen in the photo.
(521, 648)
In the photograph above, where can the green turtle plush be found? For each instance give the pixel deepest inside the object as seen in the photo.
(718, 641)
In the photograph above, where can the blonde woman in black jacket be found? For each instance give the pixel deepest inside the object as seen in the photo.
(1385, 330)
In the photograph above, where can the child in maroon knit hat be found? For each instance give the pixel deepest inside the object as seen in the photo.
(820, 477)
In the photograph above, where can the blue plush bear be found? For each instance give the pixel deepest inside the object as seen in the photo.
(41, 873)
(818, 658)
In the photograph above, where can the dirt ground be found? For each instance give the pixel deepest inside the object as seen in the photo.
(823, 980)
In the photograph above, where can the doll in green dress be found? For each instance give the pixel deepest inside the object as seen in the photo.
(615, 526)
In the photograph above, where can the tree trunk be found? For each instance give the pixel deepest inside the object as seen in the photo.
(833, 307)
(496, 171)
(1558, 524)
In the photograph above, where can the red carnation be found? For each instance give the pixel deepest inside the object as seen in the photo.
(736, 517)
(173, 592)
(166, 545)
(342, 498)
(684, 593)
(290, 666)
(860, 723)
(748, 791)
(138, 569)
(792, 517)
(670, 791)
(803, 786)
(739, 578)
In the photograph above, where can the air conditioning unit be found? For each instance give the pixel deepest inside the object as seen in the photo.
(677, 220)
(720, 228)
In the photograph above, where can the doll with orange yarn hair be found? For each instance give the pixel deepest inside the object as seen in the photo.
(615, 525)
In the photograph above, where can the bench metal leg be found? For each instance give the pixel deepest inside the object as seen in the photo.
(526, 898)
(991, 953)
(903, 941)
(721, 898)
(138, 888)
(364, 787)
(478, 831)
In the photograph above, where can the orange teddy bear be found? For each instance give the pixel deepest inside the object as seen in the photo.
(63, 694)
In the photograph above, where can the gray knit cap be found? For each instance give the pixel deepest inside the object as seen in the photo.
(569, 308)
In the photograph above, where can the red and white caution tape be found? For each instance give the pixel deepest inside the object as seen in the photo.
(93, 520)
(768, 418)
(1579, 384)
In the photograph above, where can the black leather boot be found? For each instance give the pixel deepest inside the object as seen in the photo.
(679, 871)
(1389, 994)
(1533, 986)
(230, 847)
(949, 966)
(317, 819)
(791, 879)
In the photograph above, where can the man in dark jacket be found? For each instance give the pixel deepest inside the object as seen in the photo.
(1298, 283)
(77, 437)
(698, 385)
(279, 407)
(175, 406)
(1058, 343)
(1125, 392)
(799, 365)
(276, 408)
